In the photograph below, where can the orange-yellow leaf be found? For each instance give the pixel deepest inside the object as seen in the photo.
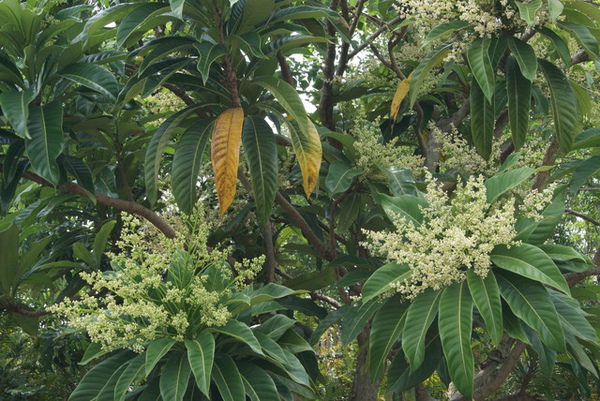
(309, 153)
(401, 93)
(225, 154)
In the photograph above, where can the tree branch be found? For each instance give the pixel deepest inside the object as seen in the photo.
(583, 216)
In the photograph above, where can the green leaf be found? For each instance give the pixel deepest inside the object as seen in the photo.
(101, 239)
(420, 315)
(455, 323)
(555, 9)
(258, 384)
(201, 353)
(525, 56)
(187, 160)
(133, 373)
(259, 144)
(529, 300)
(96, 378)
(340, 176)
(139, 21)
(559, 44)
(399, 375)
(312, 281)
(47, 139)
(78, 169)
(503, 182)
(228, 380)
(564, 104)
(209, 53)
(563, 253)
(253, 13)
(157, 144)
(241, 332)
(287, 97)
(583, 35)
(175, 377)
(419, 74)
(356, 318)
(572, 317)
(528, 10)
(405, 206)
(156, 350)
(9, 258)
(444, 29)
(386, 328)
(482, 121)
(537, 232)
(94, 77)
(486, 295)
(93, 351)
(519, 102)
(587, 139)
(15, 106)
(481, 66)
(531, 262)
(401, 179)
(586, 169)
(384, 279)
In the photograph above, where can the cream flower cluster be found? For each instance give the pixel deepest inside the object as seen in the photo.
(158, 287)
(457, 234)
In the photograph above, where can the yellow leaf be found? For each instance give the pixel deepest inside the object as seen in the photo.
(309, 153)
(401, 93)
(225, 154)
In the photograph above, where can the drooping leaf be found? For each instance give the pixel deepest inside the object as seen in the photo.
(309, 154)
(94, 77)
(47, 139)
(529, 300)
(175, 377)
(455, 323)
(481, 66)
(9, 258)
(201, 353)
(525, 56)
(385, 332)
(383, 279)
(261, 155)
(564, 104)
(257, 382)
(228, 380)
(583, 172)
(519, 102)
(482, 120)
(96, 378)
(288, 98)
(15, 106)
(531, 262)
(187, 161)
(583, 35)
(240, 332)
(420, 315)
(420, 73)
(486, 296)
(399, 96)
(225, 154)
(559, 44)
(587, 139)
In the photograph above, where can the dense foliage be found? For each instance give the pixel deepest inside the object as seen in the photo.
(265, 199)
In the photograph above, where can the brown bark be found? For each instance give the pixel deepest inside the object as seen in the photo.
(363, 388)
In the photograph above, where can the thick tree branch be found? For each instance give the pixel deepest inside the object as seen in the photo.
(583, 216)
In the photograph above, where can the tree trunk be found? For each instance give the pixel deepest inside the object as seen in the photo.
(363, 388)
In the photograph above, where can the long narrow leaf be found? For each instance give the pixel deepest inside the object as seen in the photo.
(481, 66)
(420, 315)
(486, 295)
(47, 139)
(175, 377)
(482, 120)
(385, 332)
(519, 102)
(201, 353)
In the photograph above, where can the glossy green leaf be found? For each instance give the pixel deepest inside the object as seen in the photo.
(444, 29)
(564, 104)
(156, 350)
(201, 353)
(80, 170)
(583, 35)
(407, 207)
(96, 378)
(387, 326)
(588, 168)
(525, 56)
(258, 384)
(399, 376)
(481, 66)
(93, 351)
(355, 319)
(482, 121)
(135, 23)
(401, 179)
(587, 139)
(133, 373)
(187, 161)
(419, 74)
(175, 377)
(536, 232)
(486, 296)
(503, 182)
(531, 262)
(47, 139)
(455, 323)
(527, 11)
(241, 332)
(94, 77)
(383, 279)
(529, 300)
(209, 53)
(519, 102)
(563, 253)
(339, 177)
(228, 380)
(259, 144)
(572, 317)
(420, 315)
(156, 146)
(555, 9)
(15, 106)
(561, 47)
